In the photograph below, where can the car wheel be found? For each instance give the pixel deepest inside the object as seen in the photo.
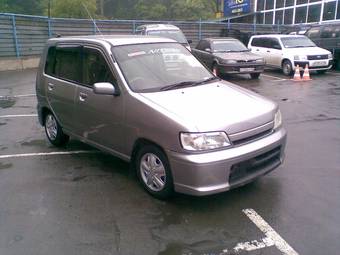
(54, 131)
(255, 75)
(153, 171)
(287, 68)
(321, 71)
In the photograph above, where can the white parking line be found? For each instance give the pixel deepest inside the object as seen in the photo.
(274, 77)
(47, 154)
(272, 238)
(25, 95)
(18, 115)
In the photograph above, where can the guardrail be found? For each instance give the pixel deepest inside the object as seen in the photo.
(25, 35)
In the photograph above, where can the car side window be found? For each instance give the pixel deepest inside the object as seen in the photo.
(274, 44)
(67, 64)
(203, 45)
(50, 61)
(95, 68)
(327, 32)
(314, 32)
(257, 42)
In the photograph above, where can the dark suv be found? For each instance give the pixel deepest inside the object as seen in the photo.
(327, 37)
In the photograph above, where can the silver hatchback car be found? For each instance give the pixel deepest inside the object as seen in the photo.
(148, 100)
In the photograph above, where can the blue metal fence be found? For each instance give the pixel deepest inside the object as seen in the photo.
(25, 35)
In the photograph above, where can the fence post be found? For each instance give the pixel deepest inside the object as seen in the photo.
(15, 37)
(200, 29)
(254, 28)
(228, 24)
(94, 27)
(49, 28)
(134, 27)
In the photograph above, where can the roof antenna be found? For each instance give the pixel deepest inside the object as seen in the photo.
(94, 22)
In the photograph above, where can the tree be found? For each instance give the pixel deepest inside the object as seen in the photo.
(30, 7)
(73, 8)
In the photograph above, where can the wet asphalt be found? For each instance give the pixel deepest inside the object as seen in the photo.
(92, 204)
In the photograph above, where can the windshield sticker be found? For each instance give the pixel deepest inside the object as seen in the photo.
(138, 53)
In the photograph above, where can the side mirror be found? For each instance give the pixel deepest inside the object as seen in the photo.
(105, 88)
(207, 50)
(190, 41)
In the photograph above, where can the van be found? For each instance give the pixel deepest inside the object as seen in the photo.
(288, 51)
(182, 128)
(164, 30)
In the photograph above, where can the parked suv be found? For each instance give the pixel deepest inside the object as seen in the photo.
(164, 30)
(182, 128)
(288, 51)
(228, 56)
(327, 36)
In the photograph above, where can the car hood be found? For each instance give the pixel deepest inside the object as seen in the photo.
(215, 107)
(308, 51)
(237, 55)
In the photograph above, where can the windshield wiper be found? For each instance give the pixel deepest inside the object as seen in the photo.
(188, 83)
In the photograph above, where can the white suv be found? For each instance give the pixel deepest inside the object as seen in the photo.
(288, 51)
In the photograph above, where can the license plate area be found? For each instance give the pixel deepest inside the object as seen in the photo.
(319, 63)
(247, 69)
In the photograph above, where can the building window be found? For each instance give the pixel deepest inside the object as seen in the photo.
(269, 18)
(279, 17)
(329, 11)
(301, 2)
(314, 13)
(300, 14)
(289, 16)
(279, 3)
(260, 5)
(269, 4)
(259, 18)
(289, 3)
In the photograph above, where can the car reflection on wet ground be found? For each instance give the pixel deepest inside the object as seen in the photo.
(77, 200)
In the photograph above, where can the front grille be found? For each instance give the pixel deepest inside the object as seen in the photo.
(252, 138)
(246, 61)
(317, 57)
(243, 169)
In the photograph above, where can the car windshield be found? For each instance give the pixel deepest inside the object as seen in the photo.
(159, 66)
(228, 46)
(297, 42)
(176, 35)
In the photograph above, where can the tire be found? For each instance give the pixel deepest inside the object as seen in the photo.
(255, 75)
(54, 131)
(153, 171)
(321, 71)
(287, 68)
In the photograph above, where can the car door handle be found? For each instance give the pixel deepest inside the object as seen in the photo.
(257, 50)
(82, 96)
(268, 50)
(50, 86)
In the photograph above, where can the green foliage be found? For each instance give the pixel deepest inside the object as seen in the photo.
(73, 8)
(30, 7)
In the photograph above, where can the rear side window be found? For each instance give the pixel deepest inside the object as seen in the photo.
(50, 62)
(68, 63)
(258, 42)
(95, 68)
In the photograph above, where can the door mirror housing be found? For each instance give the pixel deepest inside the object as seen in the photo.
(190, 41)
(105, 88)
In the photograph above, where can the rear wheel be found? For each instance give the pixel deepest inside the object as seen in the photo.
(153, 171)
(54, 131)
(287, 68)
(255, 75)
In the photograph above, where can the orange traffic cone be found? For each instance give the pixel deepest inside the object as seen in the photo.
(306, 76)
(297, 76)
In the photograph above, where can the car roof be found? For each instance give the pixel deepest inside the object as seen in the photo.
(114, 40)
(221, 39)
(276, 36)
(158, 27)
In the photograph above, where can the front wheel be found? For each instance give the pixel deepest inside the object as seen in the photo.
(287, 68)
(153, 171)
(255, 75)
(54, 131)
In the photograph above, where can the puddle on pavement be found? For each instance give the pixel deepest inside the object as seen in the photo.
(5, 166)
(7, 102)
(34, 143)
(335, 91)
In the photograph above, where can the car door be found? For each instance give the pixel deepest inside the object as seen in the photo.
(99, 118)
(62, 74)
(273, 52)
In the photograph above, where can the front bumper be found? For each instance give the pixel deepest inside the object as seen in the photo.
(214, 172)
(312, 65)
(240, 68)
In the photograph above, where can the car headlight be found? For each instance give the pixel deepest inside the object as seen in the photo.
(300, 58)
(204, 141)
(229, 61)
(330, 56)
(277, 119)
